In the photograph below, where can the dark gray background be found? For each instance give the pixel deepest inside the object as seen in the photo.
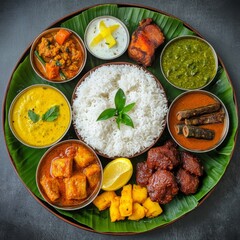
(21, 217)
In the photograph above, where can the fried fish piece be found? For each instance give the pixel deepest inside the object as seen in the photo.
(145, 40)
(126, 201)
(139, 193)
(138, 212)
(114, 210)
(103, 201)
(153, 208)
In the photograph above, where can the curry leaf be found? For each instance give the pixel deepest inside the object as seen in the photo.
(33, 116)
(120, 99)
(128, 107)
(52, 114)
(106, 114)
(120, 111)
(58, 63)
(126, 119)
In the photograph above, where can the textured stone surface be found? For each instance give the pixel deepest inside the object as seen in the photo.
(21, 217)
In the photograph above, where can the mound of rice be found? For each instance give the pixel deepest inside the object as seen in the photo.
(96, 93)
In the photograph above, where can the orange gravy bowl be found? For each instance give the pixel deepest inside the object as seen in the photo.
(69, 175)
(192, 100)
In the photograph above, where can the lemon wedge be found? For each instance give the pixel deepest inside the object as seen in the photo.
(116, 174)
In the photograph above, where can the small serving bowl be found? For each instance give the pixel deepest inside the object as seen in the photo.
(45, 176)
(101, 49)
(189, 63)
(59, 55)
(26, 112)
(191, 100)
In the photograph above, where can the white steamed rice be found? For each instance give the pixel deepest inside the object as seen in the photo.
(96, 93)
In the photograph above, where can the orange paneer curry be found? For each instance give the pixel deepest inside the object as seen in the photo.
(69, 174)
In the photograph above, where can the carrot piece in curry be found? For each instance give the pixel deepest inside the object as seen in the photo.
(52, 70)
(62, 35)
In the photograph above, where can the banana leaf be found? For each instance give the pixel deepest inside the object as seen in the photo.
(215, 162)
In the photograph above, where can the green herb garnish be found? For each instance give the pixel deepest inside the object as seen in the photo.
(120, 112)
(51, 114)
(33, 116)
(58, 63)
(39, 57)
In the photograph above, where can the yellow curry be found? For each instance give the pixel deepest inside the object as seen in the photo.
(40, 116)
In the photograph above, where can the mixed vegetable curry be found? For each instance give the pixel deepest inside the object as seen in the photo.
(59, 55)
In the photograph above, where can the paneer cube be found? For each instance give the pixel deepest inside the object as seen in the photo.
(84, 157)
(76, 186)
(138, 213)
(103, 201)
(50, 187)
(114, 210)
(92, 173)
(126, 201)
(139, 193)
(62, 167)
(153, 208)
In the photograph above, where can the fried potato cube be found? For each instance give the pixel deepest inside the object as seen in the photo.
(62, 167)
(138, 213)
(84, 157)
(76, 186)
(114, 210)
(92, 173)
(126, 201)
(51, 187)
(139, 194)
(103, 201)
(153, 208)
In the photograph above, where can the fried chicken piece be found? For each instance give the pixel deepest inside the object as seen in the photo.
(162, 186)
(143, 174)
(145, 40)
(165, 157)
(188, 183)
(191, 164)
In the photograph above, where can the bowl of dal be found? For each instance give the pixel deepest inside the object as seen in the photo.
(189, 62)
(39, 116)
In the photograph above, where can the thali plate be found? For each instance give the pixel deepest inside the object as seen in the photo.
(25, 159)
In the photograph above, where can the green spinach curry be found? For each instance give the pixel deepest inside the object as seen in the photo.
(189, 63)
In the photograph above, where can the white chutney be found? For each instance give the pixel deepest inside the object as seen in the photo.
(102, 49)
